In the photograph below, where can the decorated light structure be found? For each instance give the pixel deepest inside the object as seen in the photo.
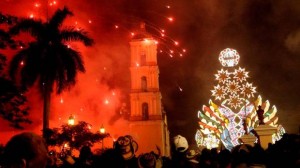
(233, 113)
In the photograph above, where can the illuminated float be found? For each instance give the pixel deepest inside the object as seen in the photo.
(233, 114)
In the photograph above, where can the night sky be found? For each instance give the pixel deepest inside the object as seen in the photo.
(265, 33)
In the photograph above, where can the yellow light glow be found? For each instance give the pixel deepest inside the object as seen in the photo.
(102, 130)
(71, 120)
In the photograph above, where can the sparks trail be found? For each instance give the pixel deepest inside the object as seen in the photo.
(168, 18)
(167, 44)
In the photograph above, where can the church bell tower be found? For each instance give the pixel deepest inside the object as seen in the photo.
(148, 121)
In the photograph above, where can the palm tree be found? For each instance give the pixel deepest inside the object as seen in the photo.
(48, 60)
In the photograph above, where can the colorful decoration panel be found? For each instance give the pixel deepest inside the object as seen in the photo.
(233, 111)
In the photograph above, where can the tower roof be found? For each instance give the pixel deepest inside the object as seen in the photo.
(142, 32)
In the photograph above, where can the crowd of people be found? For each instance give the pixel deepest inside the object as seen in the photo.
(28, 150)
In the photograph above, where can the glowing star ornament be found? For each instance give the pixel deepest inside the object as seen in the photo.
(219, 92)
(233, 87)
(229, 57)
(234, 101)
(248, 90)
(222, 76)
(240, 74)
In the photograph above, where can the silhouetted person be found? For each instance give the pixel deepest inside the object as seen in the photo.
(257, 156)
(25, 150)
(180, 146)
(224, 158)
(127, 147)
(260, 115)
(109, 158)
(205, 158)
(148, 160)
(85, 158)
(192, 158)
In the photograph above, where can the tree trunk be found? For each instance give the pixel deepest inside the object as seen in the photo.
(46, 110)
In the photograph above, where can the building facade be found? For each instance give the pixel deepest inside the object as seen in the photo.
(148, 120)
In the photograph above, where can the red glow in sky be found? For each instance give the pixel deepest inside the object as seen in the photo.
(97, 96)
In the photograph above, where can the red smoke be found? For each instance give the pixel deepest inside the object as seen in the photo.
(99, 92)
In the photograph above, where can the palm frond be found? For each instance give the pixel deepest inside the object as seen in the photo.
(71, 34)
(6, 40)
(58, 17)
(7, 19)
(77, 58)
(34, 27)
(30, 72)
(32, 64)
(15, 63)
(4, 36)
(73, 64)
(67, 73)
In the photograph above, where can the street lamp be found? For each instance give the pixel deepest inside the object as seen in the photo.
(71, 120)
(102, 132)
(102, 129)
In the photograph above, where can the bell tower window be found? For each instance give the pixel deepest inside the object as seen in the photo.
(145, 112)
(144, 83)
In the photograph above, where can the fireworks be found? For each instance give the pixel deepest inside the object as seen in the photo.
(166, 45)
(52, 3)
(104, 99)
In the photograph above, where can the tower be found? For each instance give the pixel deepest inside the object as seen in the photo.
(148, 122)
